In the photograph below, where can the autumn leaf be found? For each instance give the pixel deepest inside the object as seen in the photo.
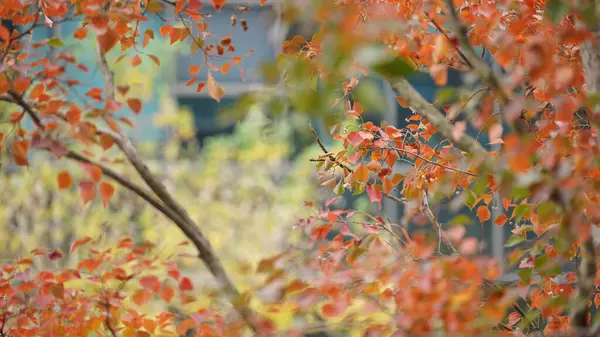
(80, 33)
(141, 297)
(135, 105)
(64, 180)
(214, 89)
(483, 213)
(55, 255)
(106, 192)
(87, 191)
(218, 4)
(167, 292)
(154, 59)
(106, 141)
(20, 149)
(94, 172)
(361, 173)
(150, 282)
(374, 194)
(108, 40)
(79, 243)
(501, 219)
(186, 284)
(136, 60)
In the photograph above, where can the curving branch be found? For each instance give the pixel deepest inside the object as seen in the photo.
(185, 223)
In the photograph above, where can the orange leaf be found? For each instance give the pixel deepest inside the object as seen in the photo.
(361, 173)
(94, 172)
(136, 60)
(164, 30)
(179, 5)
(108, 40)
(483, 213)
(20, 149)
(194, 69)
(501, 220)
(74, 114)
(403, 103)
(64, 180)
(142, 297)
(439, 73)
(80, 33)
(87, 191)
(218, 4)
(154, 59)
(106, 192)
(80, 242)
(184, 326)
(167, 292)
(225, 68)
(135, 105)
(106, 141)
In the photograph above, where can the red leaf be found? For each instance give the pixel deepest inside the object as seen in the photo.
(55, 255)
(374, 194)
(106, 192)
(150, 282)
(186, 284)
(135, 105)
(87, 191)
(64, 180)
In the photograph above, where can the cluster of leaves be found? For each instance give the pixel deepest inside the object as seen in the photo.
(106, 292)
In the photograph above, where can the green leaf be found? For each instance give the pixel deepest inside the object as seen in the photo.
(55, 42)
(396, 67)
(556, 9)
(470, 198)
(525, 275)
(445, 95)
(520, 211)
(541, 261)
(339, 188)
(514, 240)
(461, 219)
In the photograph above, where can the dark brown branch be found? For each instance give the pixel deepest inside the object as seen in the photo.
(19, 100)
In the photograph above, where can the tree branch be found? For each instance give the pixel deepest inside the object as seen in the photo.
(465, 143)
(188, 226)
(482, 69)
